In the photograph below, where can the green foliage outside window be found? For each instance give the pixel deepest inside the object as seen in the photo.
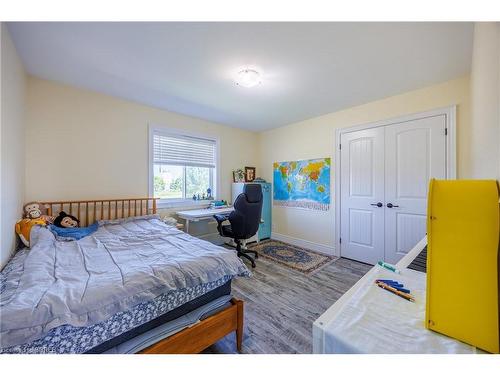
(159, 184)
(197, 181)
(176, 184)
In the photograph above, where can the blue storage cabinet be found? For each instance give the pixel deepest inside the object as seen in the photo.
(266, 225)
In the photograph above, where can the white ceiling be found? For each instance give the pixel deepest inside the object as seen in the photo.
(309, 69)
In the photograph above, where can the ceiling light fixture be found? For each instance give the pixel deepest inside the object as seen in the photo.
(248, 78)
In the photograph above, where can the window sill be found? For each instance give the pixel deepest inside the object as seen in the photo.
(186, 203)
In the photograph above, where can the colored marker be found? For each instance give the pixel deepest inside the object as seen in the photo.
(401, 289)
(390, 282)
(395, 284)
(388, 266)
(389, 288)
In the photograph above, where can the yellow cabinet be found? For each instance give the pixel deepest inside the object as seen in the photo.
(463, 261)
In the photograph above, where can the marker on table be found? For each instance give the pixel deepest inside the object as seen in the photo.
(388, 266)
(395, 284)
(390, 282)
(389, 288)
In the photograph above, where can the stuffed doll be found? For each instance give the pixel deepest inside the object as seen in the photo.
(66, 221)
(35, 210)
(33, 215)
(24, 226)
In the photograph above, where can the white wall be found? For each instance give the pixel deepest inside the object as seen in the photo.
(315, 138)
(13, 84)
(485, 99)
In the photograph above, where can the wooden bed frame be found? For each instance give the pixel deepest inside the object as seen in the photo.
(204, 333)
(103, 209)
(190, 340)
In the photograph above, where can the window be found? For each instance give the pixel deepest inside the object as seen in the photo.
(183, 166)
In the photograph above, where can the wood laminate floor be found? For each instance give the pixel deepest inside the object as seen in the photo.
(281, 305)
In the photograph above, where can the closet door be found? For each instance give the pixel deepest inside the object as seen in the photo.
(415, 151)
(362, 195)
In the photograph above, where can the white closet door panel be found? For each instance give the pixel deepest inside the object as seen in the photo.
(415, 152)
(410, 229)
(362, 186)
(361, 227)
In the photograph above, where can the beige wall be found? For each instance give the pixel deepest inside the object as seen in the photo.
(13, 83)
(315, 138)
(84, 145)
(485, 98)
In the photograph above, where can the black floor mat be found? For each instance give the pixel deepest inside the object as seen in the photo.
(420, 262)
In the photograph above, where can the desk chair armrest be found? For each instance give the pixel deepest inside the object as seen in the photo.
(220, 218)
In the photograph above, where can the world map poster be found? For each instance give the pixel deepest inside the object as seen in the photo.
(303, 183)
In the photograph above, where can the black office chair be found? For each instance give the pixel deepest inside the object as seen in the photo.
(244, 220)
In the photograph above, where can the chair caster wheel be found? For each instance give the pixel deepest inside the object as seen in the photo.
(256, 256)
(253, 265)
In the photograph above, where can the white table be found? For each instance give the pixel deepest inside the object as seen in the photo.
(367, 319)
(202, 214)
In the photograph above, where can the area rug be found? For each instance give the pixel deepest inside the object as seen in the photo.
(294, 257)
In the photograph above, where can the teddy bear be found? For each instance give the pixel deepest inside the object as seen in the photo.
(34, 214)
(66, 221)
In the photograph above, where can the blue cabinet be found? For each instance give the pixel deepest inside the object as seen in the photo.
(266, 225)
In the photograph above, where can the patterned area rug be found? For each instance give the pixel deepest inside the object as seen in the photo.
(297, 258)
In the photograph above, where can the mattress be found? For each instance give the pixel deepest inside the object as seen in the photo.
(203, 300)
(122, 326)
(74, 296)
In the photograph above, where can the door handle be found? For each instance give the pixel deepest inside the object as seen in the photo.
(379, 204)
(390, 205)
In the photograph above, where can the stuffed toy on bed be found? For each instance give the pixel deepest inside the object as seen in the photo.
(36, 210)
(66, 221)
(66, 228)
(34, 214)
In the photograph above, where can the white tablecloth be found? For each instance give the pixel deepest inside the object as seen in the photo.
(374, 320)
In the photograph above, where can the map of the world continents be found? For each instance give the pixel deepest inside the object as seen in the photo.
(303, 183)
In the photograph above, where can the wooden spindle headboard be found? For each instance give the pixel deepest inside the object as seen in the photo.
(90, 211)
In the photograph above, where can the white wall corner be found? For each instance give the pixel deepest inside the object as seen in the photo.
(12, 143)
(485, 101)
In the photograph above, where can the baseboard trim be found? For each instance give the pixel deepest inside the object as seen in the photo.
(325, 249)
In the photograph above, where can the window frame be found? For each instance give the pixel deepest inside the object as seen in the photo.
(214, 174)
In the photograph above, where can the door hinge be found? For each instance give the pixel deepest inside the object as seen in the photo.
(340, 146)
(445, 131)
(340, 240)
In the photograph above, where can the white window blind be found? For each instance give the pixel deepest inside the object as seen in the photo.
(183, 150)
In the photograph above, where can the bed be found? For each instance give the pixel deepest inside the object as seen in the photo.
(136, 285)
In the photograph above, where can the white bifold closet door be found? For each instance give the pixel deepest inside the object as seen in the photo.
(385, 172)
